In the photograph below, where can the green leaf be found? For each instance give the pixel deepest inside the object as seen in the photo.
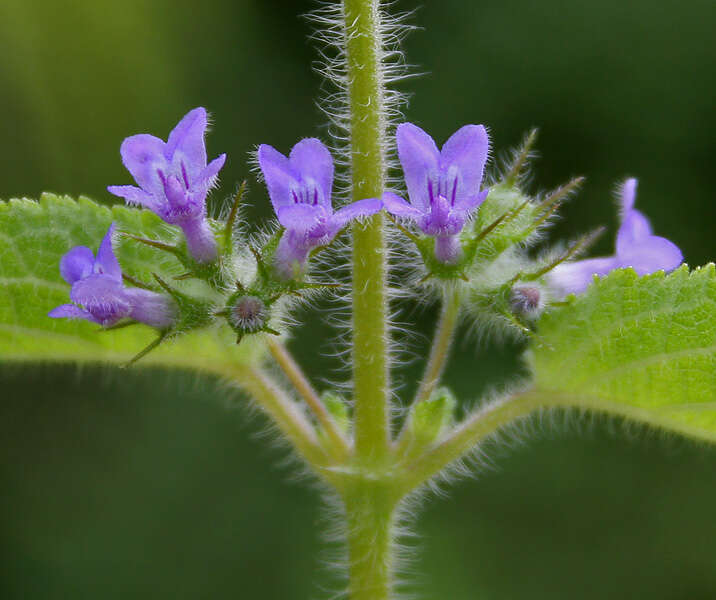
(33, 238)
(640, 347)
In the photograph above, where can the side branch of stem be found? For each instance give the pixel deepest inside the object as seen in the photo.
(294, 373)
(284, 412)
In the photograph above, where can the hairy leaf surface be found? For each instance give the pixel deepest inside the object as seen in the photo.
(33, 238)
(641, 347)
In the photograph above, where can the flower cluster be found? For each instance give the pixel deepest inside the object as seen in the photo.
(445, 193)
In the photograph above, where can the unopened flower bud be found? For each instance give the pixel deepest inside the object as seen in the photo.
(248, 313)
(526, 300)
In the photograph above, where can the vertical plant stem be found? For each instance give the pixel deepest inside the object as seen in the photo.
(440, 350)
(367, 135)
(370, 512)
(289, 366)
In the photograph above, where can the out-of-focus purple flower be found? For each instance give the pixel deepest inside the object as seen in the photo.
(99, 294)
(174, 179)
(300, 190)
(636, 247)
(443, 185)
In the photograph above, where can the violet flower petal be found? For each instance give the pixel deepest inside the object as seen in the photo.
(650, 255)
(575, 277)
(175, 179)
(360, 208)
(76, 264)
(200, 240)
(447, 249)
(135, 196)
(395, 205)
(313, 161)
(205, 179)
(420, 158)
(186, 143)
(150, 308)
(635, 228)
(636, 247)
(627, 195)
(103, 297)
(143, 156)
(469, 203)
(301, 218)
(106, 262)
(70, 311)
(279, 175)
(466, 152)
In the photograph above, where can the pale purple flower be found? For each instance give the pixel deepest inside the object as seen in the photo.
(99, 294)
(636, 247)
(300, 190)
(443, 185)
(174, 179)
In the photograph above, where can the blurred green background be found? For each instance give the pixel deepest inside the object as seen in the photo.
(156, 485)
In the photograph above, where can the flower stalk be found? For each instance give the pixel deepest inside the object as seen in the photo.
(444, 334)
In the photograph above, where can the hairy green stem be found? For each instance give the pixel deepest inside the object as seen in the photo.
(370, 515)
(444, 334)
(368, 167)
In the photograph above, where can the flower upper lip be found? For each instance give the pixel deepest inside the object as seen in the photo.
(173, 176)
(443, 185)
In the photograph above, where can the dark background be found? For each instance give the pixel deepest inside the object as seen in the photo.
(156, 485)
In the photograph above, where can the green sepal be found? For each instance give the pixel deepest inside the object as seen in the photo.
(427, 421)
(192, 313)
(507, 218)
(209, 272)
(435, 267)
(265, 260)
(338, 409)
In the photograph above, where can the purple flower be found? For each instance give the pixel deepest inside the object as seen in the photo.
(637, 247)
(443, 185)
(99, 295)
(300, 190)
(174, 179)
